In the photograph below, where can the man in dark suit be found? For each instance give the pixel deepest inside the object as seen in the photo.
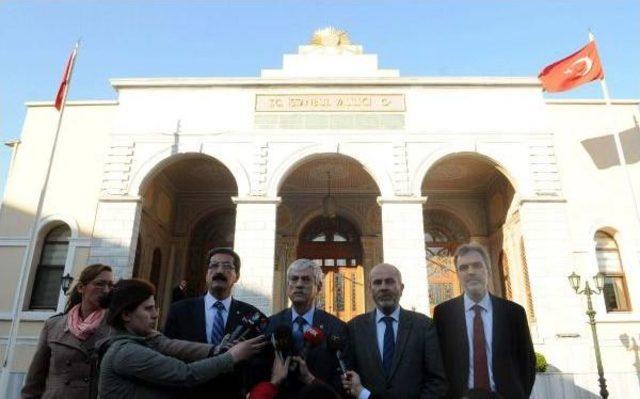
(304, 282)
(485, 340)
(393, 352)
(211, 317)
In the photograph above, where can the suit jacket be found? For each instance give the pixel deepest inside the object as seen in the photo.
(186, 321)
(512, 350)
(322, 362)
(416, 369)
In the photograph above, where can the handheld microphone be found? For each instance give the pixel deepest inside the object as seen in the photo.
(254, 322)
(283, 339)
(312, 337)
(335, 343)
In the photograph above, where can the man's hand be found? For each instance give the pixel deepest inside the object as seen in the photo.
(245, 349)
(280, 369)
(351, 383)
(304, 375)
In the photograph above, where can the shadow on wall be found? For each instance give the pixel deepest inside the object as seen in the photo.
(631, 344)
(558, 385)
(604, 154)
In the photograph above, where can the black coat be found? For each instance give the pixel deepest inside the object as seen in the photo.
(513, 358)
(416, 369)
(322, 362)
(186, 321)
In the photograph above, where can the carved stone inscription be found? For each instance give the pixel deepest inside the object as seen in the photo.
(330, 102)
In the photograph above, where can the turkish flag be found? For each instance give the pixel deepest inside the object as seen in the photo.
(581, 67)
(62, 89)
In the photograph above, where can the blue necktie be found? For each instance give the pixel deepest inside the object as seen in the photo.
(217, 330)
(388, 346)
(298, 333)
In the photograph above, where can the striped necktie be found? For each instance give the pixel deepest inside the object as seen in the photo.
(217, 330)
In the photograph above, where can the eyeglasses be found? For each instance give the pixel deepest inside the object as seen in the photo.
(226, 266)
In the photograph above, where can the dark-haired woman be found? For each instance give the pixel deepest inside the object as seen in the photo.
(63, 365)
(131, 369)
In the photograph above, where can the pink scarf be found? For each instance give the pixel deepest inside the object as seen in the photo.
(83, 329)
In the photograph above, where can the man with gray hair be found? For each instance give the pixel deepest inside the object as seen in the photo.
(317, 363)
(485, 340)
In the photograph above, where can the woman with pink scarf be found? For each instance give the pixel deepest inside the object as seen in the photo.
(64, 364)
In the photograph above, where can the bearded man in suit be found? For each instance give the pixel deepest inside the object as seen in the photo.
(393, 352)
(485, 340)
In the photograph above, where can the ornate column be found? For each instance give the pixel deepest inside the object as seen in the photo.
(255, 240)
(403, 247)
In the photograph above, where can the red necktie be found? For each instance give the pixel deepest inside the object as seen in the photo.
(480, 368)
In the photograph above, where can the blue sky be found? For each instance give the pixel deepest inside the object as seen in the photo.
(238, 38)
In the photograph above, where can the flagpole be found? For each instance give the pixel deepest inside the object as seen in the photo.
(616, 139)
(19, 298)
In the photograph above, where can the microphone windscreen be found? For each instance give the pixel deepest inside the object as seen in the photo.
(283, 338)
(335, 343)
(313, 336)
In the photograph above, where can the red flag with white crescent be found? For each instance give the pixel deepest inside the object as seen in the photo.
(579, 68)
(66, 76)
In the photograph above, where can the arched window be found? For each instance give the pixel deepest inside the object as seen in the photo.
(615, 293)
(46, 286)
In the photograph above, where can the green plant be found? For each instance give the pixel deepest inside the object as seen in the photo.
(541, 363)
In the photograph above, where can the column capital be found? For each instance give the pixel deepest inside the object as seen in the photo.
(256, 200)
(401, 200)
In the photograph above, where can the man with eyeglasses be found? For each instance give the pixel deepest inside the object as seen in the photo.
(211, 317)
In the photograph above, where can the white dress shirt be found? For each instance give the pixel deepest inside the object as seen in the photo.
(487, 322)
(210, 312)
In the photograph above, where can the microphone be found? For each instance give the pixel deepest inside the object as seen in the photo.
(254, 322)
(312, 337)
(282, 341)
(335, 343)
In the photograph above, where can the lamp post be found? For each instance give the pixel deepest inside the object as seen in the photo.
(598, 279)
(66, 281)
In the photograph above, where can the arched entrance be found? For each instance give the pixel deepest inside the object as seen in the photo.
(334, 244)
(186, 208)
(329, 213)
(470, 199)
(443, 234)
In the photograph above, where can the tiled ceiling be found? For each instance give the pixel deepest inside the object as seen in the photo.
(460, 174)
(347, 176)
(199, 174)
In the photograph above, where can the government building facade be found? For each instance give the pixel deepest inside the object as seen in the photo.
(334, 159)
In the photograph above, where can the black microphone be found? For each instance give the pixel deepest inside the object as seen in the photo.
(335, 343)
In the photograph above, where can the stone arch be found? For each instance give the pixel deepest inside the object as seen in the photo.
(159, 161)
(458, 150)
(285, 168)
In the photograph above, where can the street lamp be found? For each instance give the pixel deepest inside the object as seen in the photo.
(66, 281)
(598, 279)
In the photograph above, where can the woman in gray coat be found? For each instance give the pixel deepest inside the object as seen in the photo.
(64, 364)
(130, 369)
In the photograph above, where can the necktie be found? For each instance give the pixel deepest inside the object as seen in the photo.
(388, 346)
(217, 330)
(480, 368)
(298, 333)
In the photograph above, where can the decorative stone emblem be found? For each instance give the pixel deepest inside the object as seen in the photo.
(330, 37)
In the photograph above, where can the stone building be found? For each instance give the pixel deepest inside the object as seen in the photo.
(334, 159)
